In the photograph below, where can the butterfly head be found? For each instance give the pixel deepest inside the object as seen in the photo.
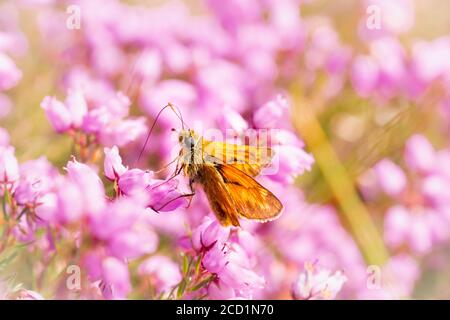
(187, 139)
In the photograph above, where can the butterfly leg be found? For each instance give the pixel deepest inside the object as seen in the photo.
(191, 182)
(174, 175)
(191, 195)
(176, 198)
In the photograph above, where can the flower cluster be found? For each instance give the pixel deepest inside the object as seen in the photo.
(420, 216)
(113, 208)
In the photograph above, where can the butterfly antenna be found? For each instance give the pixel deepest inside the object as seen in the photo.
(179, 116)
(177, 111)
(150, 131)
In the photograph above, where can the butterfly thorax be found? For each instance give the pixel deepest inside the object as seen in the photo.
(191, 155)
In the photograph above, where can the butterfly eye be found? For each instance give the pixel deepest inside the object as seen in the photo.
(180, 138)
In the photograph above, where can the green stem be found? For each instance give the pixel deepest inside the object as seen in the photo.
(342, 186)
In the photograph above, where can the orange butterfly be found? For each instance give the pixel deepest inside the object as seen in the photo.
(226, 171)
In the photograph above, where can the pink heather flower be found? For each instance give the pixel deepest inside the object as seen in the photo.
(9, 73)
(116, 278)
(92, 261)
(48, 208)
(149, 66)
(233, 120)
(134, 181)
(430, 59)
(26, 192)
(133, 243)
(70, 203)
(77, 107)
(307, 232)
(24, 231)
(239, 274)
(160, 195)
(110, 60)
(121, 132)
(274, 114)
(12, 41)
(215, 259)
(220, 291)
(338, 61)
(116, 217)
(261, 63)
(250, 242)
(176, 57)
(174, 225)
(227, 76)
(419, 228)
(57, 114)
(324, 42)
(317, 284)
(291, 161)
(164, 195)
(364, 75)
(208, 233)
(232, 266)
(4, 137)
(89, 183)
(178, 92)
(5, 105)
(36, 3)
(112, 165)
(442, 160)
(420, 154)
(396, 225)
(37, 178)
(419, 219)
(405, 272)
(9, 167)
(396, 17)
(162, 272)
(95, 90)
(391, 177)
(24, 294)
(234, 13)
(286, 20)
(436, 190)
(69, 114)
(383, 72)
(392, 71)
(118, 105)
(396, 280)
(79, 193)
(124, 229)
(96, 119)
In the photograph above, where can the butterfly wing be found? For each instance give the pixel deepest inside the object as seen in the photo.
(232, 194)
(219, 197)
(245, 158)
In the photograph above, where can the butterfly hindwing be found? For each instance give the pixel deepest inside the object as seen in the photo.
(232, 193)
(218, 194)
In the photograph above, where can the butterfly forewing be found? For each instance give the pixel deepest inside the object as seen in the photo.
(246, 158)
